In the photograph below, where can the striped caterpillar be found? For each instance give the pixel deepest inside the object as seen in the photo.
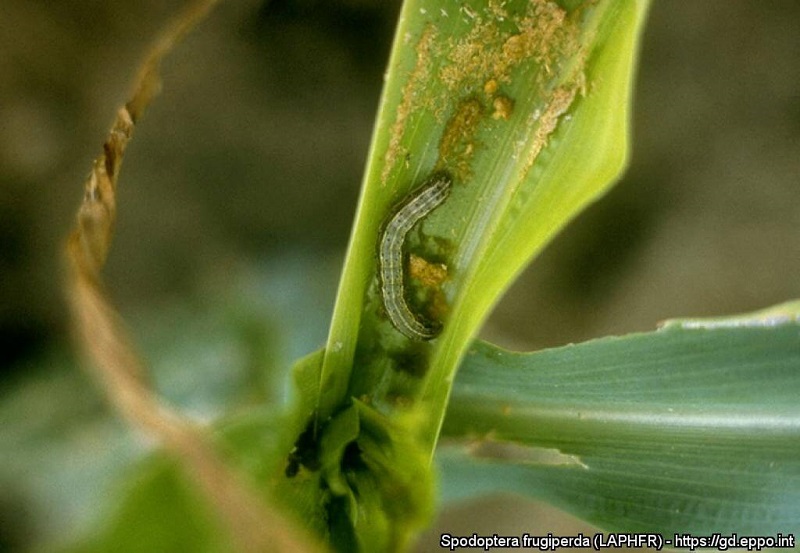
(390, 256)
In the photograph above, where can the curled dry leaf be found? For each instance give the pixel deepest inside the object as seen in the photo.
(254, 525)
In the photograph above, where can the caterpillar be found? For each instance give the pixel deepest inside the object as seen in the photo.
(410, 211)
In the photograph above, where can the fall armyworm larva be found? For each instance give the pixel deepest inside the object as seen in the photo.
(419, 204)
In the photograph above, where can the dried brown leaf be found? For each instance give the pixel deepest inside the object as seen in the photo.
(254, 525)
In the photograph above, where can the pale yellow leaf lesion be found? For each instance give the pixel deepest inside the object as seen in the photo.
(412, 94)
(466, 82)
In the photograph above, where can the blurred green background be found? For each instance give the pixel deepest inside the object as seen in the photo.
(241, 182)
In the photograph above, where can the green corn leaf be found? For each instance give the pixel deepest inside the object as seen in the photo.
(524, 106)
(160, 510)
(692, 428)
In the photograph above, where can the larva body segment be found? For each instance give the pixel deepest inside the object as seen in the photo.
(418, 205)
